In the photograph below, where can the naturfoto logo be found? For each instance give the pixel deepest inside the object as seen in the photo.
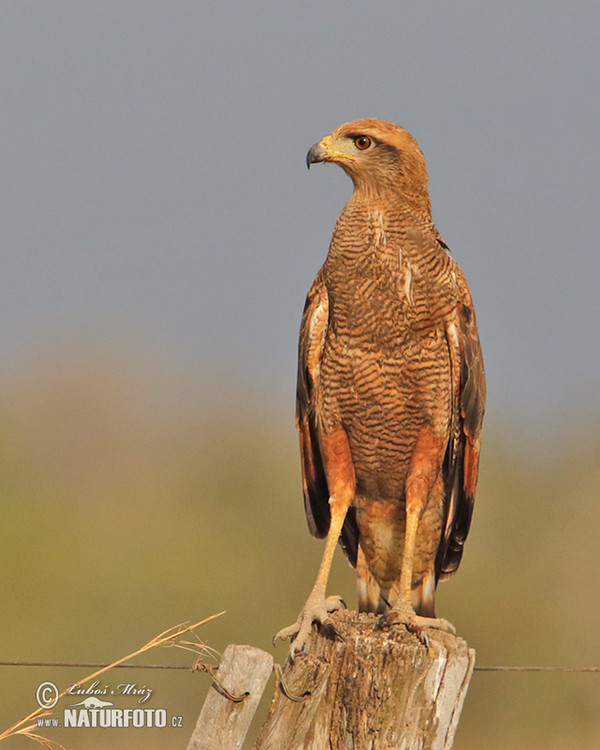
(96, 711)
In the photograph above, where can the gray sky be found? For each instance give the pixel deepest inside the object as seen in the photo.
(154, 195)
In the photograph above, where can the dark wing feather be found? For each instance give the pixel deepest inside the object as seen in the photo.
(310, 349)
(313, 330)
(461, 462)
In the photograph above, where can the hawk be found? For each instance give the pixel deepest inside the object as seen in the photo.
(391, 388)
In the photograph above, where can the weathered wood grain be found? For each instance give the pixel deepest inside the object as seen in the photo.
(375, 690)
(223, 723)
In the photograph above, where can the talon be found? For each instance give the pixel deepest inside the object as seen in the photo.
(383, 622)
(447, 626)
(295, 651)
(419, 631)
(416, 624)
(290, 632)
(329, 627)
(317, 610)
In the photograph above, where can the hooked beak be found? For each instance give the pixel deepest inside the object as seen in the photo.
(316, 154)
(325, 151)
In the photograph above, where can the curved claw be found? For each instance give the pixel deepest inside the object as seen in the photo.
(317, 610)
(414, 623)
(382, 622)
(329, 627)
(419, 631)
(290, 632)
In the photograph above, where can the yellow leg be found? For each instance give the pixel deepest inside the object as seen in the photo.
(410, 537)
(418, 488)
(317, 606)
(339, 470)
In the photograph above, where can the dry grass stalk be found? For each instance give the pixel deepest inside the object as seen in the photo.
(166, 638)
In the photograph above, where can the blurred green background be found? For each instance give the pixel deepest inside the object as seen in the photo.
(119, 522)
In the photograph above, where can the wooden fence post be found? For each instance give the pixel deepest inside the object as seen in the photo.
(375, 689)
(223, 723)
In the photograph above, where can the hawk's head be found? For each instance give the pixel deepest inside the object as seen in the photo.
(379, 156)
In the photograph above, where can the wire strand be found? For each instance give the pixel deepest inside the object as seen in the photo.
(477, 668)
(90, 665)
(536, 669)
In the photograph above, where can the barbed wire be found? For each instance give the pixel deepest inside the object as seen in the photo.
(477, 668)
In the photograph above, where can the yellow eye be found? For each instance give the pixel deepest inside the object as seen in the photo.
(362, 142)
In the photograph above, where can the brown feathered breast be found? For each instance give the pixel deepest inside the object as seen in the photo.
(389, 352)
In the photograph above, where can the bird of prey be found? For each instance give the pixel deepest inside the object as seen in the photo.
(390, 391)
